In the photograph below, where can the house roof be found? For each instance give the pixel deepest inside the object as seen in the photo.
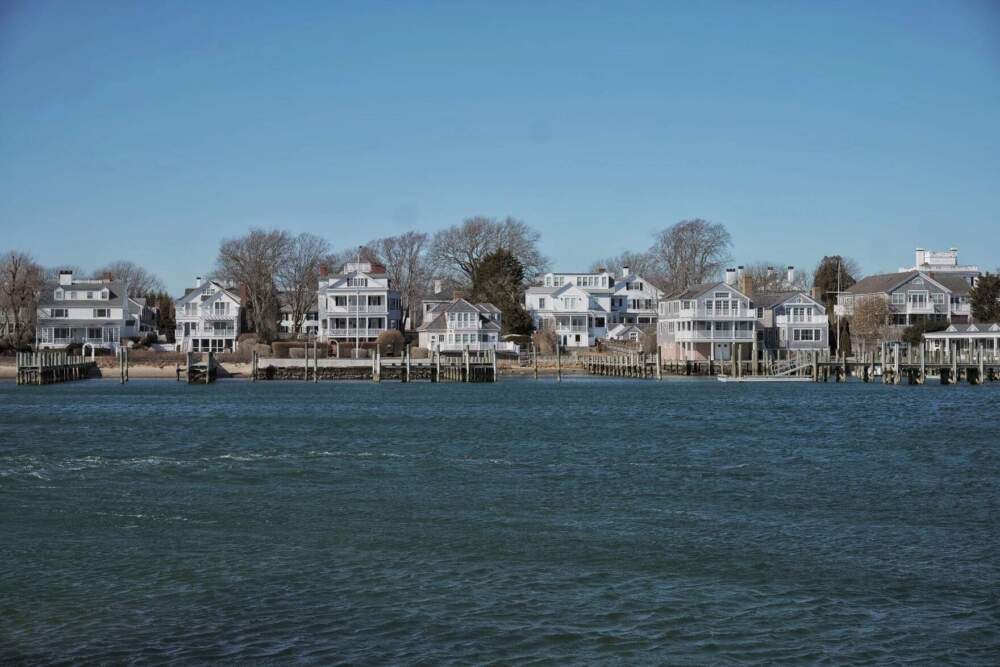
(970, 328)
(880, 283)
(956, 283)
(115, 289)
(772, 299)
(438, 320)
(192, 292)
(697, 290)
(622, 329)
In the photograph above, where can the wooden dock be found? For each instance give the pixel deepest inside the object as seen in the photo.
(199, 368)
(468, 366)
(51, 366)
(891, 364)
(628, 365)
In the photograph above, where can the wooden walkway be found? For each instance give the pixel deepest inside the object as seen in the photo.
(466, 367)
(51, 366)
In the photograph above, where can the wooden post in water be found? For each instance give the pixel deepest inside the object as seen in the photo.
(494, 356)
(659, 363)
(558, 362)
(465, 358)
(534, 356)
(406, 352)
(953, 351)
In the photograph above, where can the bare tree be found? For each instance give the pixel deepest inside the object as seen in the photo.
(458, 251)
(407, 265)
(642, 263)
(773, 277)
(138, 281)
(253, 262)
(691, 252)
(20, 281)
(365, 253)
(870, 319)
(298, 275)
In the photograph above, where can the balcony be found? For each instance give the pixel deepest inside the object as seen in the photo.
(350, 309)
(477, 346)
(919, 308)
(961, 309)
(709, 335)
(817, 320)
(352, 333)
(702, 313)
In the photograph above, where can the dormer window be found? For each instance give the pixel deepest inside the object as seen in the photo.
(59, 295)
(105, 295)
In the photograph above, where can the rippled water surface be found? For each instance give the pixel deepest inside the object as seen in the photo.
(685, 521)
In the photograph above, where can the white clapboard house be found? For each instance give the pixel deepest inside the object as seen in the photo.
(357, 304)
(456, 324)
(582, 308)
(208, 317)
(98, 312)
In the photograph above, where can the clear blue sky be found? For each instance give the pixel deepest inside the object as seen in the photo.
(151, 130)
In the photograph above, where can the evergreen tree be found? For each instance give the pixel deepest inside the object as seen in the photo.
(499, 279)
(835, 271)
(985, 299)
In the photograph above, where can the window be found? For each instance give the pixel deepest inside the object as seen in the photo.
(340, 301)
(59, 295)
(105, 294)
(722, 295)
(60, 312)
(220, 307)
(94, 333)
(938, 298)
(72, 296)
(130, 323)
(102, 312)
(541, 302)
(898, 298)
(807, 335)
(90, 295)
(357, 282)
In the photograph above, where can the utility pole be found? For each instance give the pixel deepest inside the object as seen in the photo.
(836, 315)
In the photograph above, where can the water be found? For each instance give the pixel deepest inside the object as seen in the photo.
(609, 521)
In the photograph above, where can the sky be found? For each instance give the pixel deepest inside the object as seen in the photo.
(151, 131)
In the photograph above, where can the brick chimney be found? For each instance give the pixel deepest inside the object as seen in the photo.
(324, 270)
(458, 294)
(746, 284)
(107, 277)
